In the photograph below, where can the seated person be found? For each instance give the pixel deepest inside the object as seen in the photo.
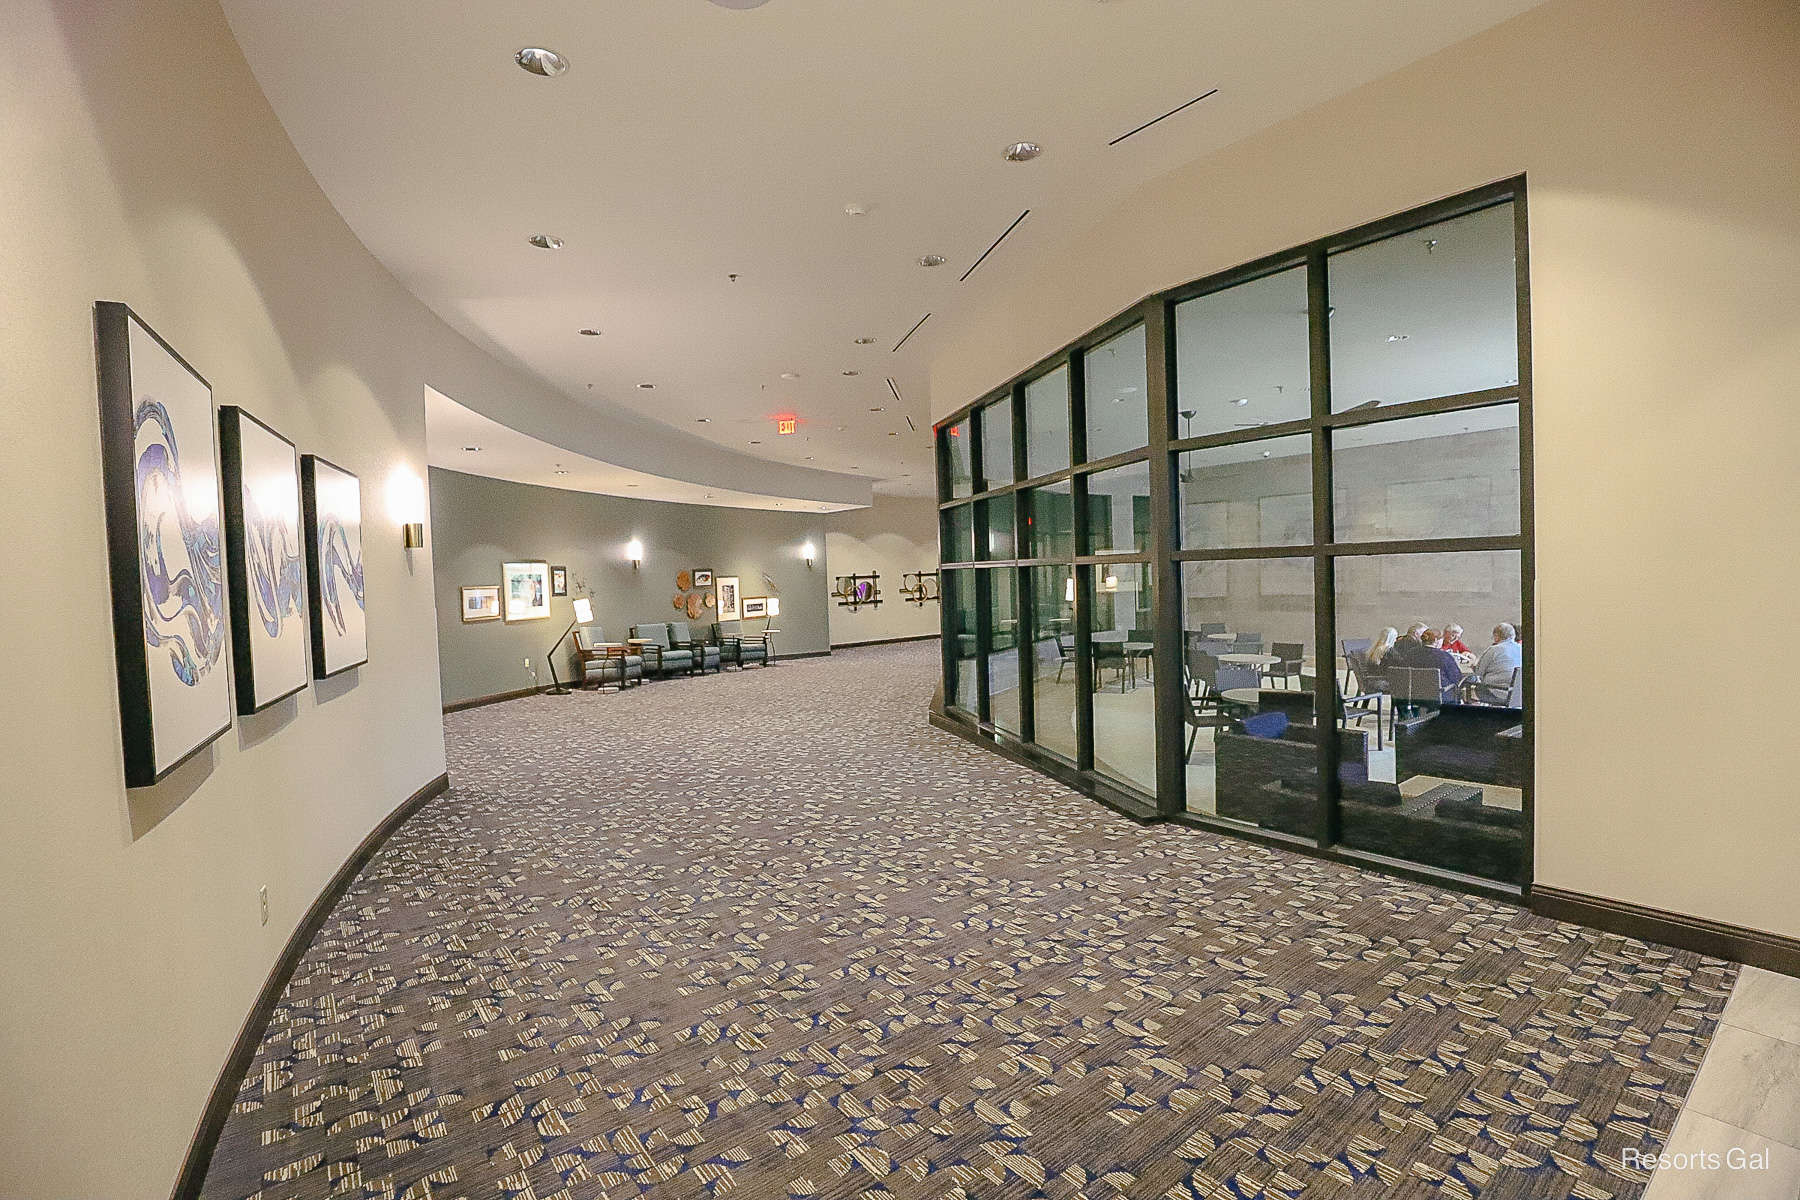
(1425, 649)
(1494, 669)
(1453, 643)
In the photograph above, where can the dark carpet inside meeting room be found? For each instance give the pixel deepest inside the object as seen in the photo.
(770, 934)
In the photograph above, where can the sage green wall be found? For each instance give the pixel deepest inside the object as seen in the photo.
(478, 523)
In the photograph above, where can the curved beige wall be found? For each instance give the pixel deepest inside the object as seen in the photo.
(1658, 138)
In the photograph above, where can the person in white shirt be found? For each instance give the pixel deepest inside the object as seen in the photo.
(1494, 669)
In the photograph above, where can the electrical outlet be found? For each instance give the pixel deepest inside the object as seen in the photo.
(263, 895)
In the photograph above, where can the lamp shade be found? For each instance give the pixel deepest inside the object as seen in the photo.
(774, 606)
(1069, 590)
(584, 610)
(634, 550)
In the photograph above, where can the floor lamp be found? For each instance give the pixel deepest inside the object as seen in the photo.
(584, 614)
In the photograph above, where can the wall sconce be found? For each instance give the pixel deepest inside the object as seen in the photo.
(1069, 590)
(412, 534)
(406, 504)
(634, 550)
(807, 551)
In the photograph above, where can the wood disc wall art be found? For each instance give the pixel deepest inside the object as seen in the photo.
(693, 606)
(712, 601)
(678, 602)
(683, 580)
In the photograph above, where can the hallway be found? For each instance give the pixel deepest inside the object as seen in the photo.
(770, 933)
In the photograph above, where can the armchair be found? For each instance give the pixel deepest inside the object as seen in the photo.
(706, 653)
(738, 647)
(604, 663)
(661, 656)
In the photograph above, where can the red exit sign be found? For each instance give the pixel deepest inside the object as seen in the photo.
(785, 424)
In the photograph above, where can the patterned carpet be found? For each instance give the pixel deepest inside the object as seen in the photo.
(768, 934)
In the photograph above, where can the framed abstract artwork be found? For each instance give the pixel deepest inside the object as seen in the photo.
(332, 501)
(756, 608)
(525, 590)
(559, 581)
(702, 578)
(159, 456)
(480, 603)
(265, 567)
(727, 590)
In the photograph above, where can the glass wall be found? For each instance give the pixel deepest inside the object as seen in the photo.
(1117, 415)
(1121, 682)
(957, 539)
(1343, 435)
(1003, 648)
(956, 590)
(1053, 674)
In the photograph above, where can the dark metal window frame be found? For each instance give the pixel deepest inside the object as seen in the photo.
(1166, 557)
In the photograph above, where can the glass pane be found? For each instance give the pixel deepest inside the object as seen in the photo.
(1428, 313)
(1447, 475)
(997, 517)
(958, 534)
(1003, 648)
(1047, 423)
(1242, 356)
(1050, 521)
(996, 444)
(1250, 739)
(1250, 494)
(1124, 694)
(957, 590)
(1053, 659)
(957, 460)
(1116, 407)
(1432, 750)
(1118, 510)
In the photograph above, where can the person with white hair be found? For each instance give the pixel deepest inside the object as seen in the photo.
(1494, 669)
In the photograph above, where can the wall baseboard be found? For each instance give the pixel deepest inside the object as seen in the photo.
(456, 706)
(1771, 951)
(243, 1050)
(893, 641)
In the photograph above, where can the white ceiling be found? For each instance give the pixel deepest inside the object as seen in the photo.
(688, 142)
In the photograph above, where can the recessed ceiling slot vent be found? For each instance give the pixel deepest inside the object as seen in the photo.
(909, 334)
(1164, 117)
(996, 245)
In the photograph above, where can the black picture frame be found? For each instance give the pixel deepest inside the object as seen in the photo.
(237, 574)
(117, 386)
(702, 577)
(315, 581)
(559, 581)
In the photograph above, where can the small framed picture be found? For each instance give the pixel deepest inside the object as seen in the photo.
(702, 578)
(480, 604)
(559, 581)
(525, 591)
(756, 608)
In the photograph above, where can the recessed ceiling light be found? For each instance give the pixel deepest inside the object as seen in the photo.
(648, 387)
(562, 470)
(849, 374)
(1023, 151)
(892, 433)
(472, 449)
(1129, 391)
(856, 210)
(631, 485)
(545, 241)
(1397, 337)
(1241, 401)
(540, 61)
(790, 374)
(1266, 453)
(865, 341)
(877, 408)
(756, 441)
(932, 260)
(590, 333)
(703, 420)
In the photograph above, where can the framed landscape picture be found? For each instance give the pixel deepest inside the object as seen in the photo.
(559, 581)
(756, 608)
(525, 590)
(702, 578)
(159, 461)
(265, 562)
(331, 499)
(480, 603)
(727, 590)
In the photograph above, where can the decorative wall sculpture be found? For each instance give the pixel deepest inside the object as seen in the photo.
(159, 442)
(525, 590)
(334, 568)
(683, 580)
(857, 591)
(919, 587)
(265, 563)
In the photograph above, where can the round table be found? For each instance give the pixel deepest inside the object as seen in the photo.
(1250, 697)
(1250, 660)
